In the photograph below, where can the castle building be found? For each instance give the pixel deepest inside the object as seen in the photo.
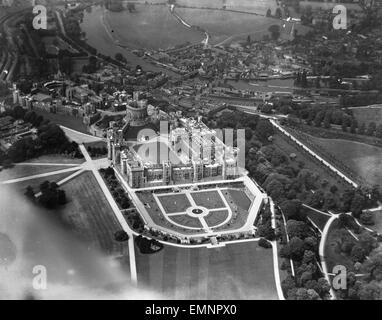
(184, 151)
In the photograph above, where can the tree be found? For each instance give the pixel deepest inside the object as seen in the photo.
(119, 57)
(288, 283)
(278, 13)
(302, 294)
(121, 236)
(297, 229)
(362, 129)
(264, 130)
(353, 126)
(327, 123)
(269, 13)
(324, 287)
(357, 204)
(29, 192)
(358, 253)
(291, 209)
(378, 132)
(311, 244)
(369, 291)
(367, 218)
(275, 31)
(266, 231)
(367, 242)
(371, 129)
(296, 248)
(61, 197)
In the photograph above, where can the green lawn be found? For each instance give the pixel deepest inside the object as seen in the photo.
(56, 158)
(20, 187)
(64, 120)
(363, 159)
(236, 271)
(24, 171)
(89, 214)
(240, 198)
(174, 203)
(216, 217)
(367, 115)
(186, 220)
(208, 199)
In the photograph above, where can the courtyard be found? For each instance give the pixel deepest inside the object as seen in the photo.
(200, 211)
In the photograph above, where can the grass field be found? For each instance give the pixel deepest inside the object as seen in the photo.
(367, 115)
(174, 203)
(186, 220)
(363, 159)
(55, 158)
(20, 187)
(208, 199)
(216, 217)
(89, 214)
(64, 120)
(24, 171)
(240, 198)
(236, 271)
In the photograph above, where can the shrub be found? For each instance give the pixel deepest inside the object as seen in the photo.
(264, 243)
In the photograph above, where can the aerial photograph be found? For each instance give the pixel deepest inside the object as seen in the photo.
(190, 150)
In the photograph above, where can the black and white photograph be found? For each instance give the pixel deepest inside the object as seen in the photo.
(190, 155)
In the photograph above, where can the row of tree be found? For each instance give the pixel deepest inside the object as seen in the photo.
(50, 138)
(50, 195)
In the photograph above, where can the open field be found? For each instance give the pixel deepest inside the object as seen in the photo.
(363, 159)
(64, 120)
(55, 158)
(174, 203)
(236, 271)
(216, 217)
(368, 114)
(89, 214)
(239, 197)
(208, 199)
(25, 171)
(20, 187)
